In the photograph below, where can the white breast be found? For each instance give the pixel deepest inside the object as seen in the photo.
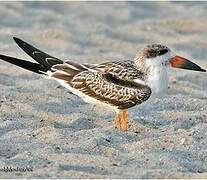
(158, 80)
(158, 76)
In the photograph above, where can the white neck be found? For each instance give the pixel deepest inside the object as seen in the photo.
(157, 80)
(158, 75)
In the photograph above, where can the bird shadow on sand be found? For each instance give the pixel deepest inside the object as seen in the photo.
(77, 125)
(150, 117)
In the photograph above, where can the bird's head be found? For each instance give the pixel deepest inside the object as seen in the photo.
(157, 55)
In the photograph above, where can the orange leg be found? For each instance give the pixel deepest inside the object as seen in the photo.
(124, 121)
(118, 121)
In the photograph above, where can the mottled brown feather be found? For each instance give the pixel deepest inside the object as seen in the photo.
(111, 83)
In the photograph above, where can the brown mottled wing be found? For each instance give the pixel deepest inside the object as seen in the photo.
(109, 89)
(122, 69)
(114, 85)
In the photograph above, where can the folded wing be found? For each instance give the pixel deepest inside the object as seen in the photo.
(104, 87)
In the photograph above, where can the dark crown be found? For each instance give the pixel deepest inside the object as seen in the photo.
(155, 50)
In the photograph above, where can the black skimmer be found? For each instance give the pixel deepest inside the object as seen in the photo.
(118, 84)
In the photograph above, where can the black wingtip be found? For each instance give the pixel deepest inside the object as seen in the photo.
(34, 67)
(18, 41)
(15, 38)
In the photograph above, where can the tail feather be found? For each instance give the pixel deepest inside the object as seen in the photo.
(46, 64)
(34, 67)
(44, 61)
(39, 56)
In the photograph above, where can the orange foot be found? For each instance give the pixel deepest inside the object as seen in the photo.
(121, 124)
(118, 121)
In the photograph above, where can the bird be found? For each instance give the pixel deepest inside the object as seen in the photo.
(119, 85)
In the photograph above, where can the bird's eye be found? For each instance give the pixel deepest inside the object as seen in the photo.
(151, 53)
(162, 51)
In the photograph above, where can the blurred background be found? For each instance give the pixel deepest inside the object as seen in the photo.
(93, 31)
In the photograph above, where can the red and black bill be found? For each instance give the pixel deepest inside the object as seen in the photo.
(180, 62)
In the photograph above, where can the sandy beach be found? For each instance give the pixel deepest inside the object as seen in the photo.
(46, 128)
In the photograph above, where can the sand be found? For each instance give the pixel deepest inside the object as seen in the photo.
(54, 133)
